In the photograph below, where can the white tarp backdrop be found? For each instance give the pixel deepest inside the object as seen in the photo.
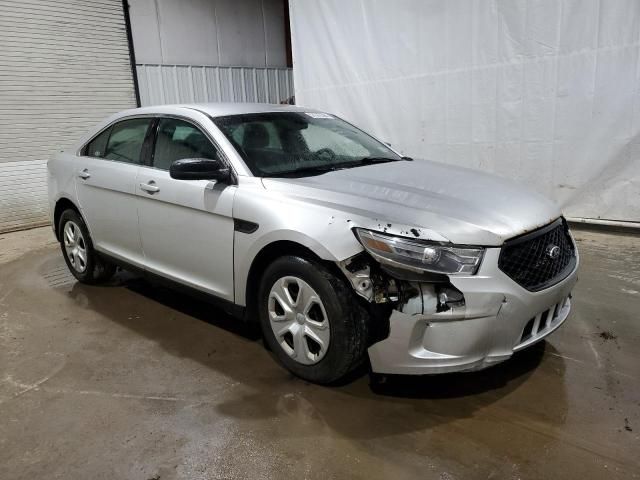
(543, 91)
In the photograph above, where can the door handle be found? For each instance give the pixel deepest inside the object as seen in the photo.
(150, 187)
(84, 174)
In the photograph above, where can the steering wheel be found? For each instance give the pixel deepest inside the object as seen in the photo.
(325, 154)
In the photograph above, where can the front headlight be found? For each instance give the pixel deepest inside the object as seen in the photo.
(402, 252)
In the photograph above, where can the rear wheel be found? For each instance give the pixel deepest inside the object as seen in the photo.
(78, 252)
(311, 320)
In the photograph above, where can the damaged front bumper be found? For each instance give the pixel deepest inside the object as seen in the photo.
(497, 318)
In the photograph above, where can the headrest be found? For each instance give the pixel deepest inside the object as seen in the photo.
(256, 135)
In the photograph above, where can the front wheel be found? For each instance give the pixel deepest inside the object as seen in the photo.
(77, 248)
(311, 320)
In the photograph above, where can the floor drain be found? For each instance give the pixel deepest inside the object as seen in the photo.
(59, 277)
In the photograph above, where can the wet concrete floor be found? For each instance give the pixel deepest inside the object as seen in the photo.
(127, 381)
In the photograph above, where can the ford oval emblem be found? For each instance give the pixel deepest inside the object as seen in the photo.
(553, 251)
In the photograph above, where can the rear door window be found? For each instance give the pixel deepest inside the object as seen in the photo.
(126, 139)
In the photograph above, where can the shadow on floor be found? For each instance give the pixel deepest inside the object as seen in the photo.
(412, 386)
(395, 405)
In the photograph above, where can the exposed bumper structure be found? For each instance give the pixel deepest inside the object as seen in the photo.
(499, 318)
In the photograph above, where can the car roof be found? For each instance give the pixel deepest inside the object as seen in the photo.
(223, 109)
(211, 109)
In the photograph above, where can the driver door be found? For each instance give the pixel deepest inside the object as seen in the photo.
(186, 226)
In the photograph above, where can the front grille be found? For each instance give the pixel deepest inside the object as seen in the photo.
(532, 261)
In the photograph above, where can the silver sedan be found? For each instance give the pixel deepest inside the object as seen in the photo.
(341, 248)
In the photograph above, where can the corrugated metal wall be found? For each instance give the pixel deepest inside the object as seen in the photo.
(64, 66)
(243, 33)
(163, 84)
(211, 51)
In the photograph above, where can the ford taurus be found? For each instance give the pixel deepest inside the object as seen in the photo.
(342, 249)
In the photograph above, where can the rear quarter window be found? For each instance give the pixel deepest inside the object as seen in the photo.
(97, 146)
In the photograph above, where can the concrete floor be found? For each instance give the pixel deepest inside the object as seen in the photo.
(128, 381)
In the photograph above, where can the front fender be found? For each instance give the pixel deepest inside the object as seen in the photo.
(322, 230)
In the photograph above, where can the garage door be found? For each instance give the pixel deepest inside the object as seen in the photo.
(64, 66)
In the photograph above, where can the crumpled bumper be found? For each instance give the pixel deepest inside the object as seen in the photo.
(499, 318)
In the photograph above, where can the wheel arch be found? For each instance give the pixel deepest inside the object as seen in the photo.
(264, 258)
(62, 204)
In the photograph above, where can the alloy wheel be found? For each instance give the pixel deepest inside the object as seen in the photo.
(75, 246)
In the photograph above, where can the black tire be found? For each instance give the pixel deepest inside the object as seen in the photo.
(348, 321)
(96, 270)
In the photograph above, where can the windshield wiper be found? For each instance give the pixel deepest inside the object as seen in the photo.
(307, 171)
(372, 160)
(320, 169)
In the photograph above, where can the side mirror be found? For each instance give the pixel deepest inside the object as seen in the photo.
(199, 169)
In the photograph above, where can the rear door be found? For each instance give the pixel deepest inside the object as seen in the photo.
(186, 226)
(106, 186)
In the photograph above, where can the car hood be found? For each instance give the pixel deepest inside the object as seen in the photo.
(426, 199)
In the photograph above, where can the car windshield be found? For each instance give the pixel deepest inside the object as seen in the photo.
(290, 144)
